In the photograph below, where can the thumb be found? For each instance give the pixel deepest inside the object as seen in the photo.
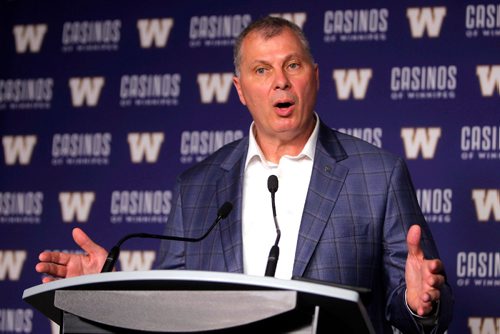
(84, 241)
(413, 241)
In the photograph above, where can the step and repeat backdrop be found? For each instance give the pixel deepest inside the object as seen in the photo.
(103, 104)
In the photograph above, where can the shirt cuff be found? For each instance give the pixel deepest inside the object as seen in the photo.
(429, 320)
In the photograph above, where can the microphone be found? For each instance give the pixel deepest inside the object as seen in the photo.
(274, 253)
(114, 253)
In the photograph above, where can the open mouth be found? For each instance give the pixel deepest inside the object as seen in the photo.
(283, 105)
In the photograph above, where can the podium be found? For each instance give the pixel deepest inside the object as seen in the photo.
(176, 301)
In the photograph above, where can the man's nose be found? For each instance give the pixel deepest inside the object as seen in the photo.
(281, 80)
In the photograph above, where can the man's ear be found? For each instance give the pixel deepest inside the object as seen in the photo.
(237, 85)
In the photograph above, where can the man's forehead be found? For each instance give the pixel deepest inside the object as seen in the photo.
(257, 38)
(268, 34)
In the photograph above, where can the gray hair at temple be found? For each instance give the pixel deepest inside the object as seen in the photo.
(268, 27)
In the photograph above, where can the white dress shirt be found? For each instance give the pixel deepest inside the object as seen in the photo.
(259, 232)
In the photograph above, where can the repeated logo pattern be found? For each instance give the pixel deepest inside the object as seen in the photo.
(100, 110)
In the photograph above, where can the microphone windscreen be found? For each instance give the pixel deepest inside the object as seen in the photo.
(272, 183)
(224, 210)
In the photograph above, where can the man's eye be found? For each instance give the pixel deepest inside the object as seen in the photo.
(294, 66)
(260, 70)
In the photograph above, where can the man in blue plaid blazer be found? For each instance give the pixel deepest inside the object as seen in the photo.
(361, 224)
(359, 206)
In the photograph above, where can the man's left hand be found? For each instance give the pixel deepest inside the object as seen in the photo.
(424, 278)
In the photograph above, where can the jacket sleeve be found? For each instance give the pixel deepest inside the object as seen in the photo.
(403, 211)
(172, 254)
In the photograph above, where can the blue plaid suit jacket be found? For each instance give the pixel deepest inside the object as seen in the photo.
(359, 207)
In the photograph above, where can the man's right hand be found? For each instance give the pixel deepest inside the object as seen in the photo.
(58, 265)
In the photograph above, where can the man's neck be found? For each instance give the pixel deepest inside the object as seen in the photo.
(275, 147)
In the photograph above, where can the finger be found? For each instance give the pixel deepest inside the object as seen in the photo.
(435, 266)
(54, 257)
(425, 309)
(51, 269)
(47, 279)
(40, 268)
(436, 281)
(413, 241)
(427, 303)
(84, 241)
(430, 296)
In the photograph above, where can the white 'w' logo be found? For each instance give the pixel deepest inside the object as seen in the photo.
(215, 85)
(154, 31)
(420, 140)
(85, 91)
(427, 18)
(145, 145)
(352, 80)
(18, 148)
(29, 37)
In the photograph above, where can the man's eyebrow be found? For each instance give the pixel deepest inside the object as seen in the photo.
(295, 55)
(285, 59)
(259, 62)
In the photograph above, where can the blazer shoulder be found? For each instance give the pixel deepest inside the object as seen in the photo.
(364, 154)
(224, 158)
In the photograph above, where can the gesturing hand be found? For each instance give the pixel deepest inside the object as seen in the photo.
(424, 278)
(63, 265)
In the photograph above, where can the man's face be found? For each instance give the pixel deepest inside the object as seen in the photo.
(278, 83)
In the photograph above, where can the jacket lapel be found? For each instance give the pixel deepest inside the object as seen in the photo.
(327, 180)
